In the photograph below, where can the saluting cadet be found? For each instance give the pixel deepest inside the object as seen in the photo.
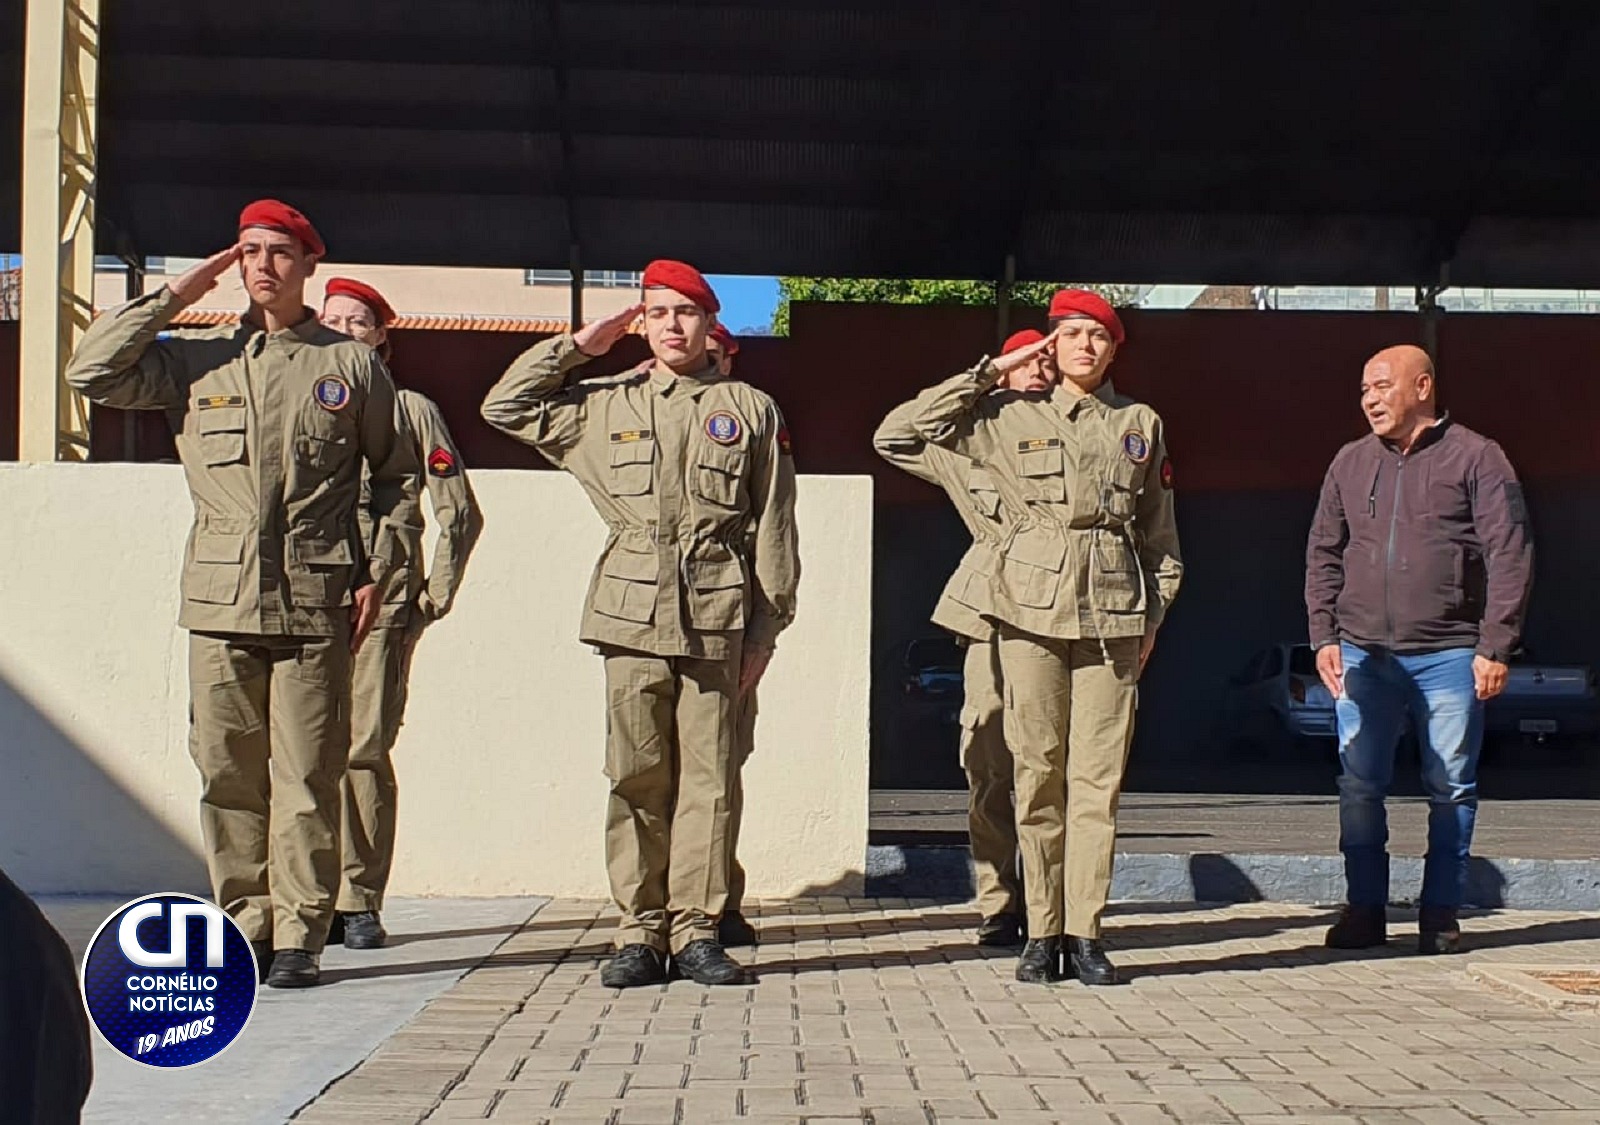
(692, 474)
(1084, 581)
(275, 414)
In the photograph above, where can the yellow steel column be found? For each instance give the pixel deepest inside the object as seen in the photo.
(61, 68)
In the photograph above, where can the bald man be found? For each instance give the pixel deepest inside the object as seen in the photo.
(1418, 571)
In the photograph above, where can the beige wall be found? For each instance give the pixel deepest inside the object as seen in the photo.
(500, 758)
(413, 290)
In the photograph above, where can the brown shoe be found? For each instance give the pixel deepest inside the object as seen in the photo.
(1438, 931)
(1359, 927)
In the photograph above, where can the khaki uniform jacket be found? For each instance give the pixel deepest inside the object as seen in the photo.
(966, 605)
(455, 509)
(272, 429)
(694, 479)
(1094, 549)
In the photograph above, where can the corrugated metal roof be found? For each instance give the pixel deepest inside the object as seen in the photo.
(1227, 142)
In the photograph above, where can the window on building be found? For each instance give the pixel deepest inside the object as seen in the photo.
(593, 279)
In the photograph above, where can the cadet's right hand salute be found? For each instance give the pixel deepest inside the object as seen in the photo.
(598, 337)
(202, 278)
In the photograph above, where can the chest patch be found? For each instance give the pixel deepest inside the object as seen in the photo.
(1028, 445)
(216, 402)
(1136, 446)
(624, 437)
(441, 462)
(331, 393)
(723, 428)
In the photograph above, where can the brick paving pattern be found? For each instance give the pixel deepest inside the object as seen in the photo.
(883, 1011)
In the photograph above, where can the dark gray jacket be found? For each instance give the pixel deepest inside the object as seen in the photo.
(1422, 551)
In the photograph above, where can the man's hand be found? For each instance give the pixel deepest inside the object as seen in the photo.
(1330, 666)
(364, 613)
(199, 280)
(1005, 364)
(1146, 647)
(1489, 676)
(751, 668)
(599, 336)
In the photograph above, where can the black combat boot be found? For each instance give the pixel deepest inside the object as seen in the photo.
(1089, 962)
(1438, 931)
(734, 930)
(705, 962)
(1040, 962)
(363, 930)
(294, 968)
(1000, 930)
(634, 966)
(1358, 927)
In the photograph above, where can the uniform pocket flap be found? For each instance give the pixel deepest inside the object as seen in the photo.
(633, 452)
(730, 461)
(325, 552)
(632, 565)
(716, 575)
(221, 420)
(1043, 462)
(1039, 546)
(218, 547)
(979, 480)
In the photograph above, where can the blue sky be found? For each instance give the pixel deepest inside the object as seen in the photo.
(747, 302)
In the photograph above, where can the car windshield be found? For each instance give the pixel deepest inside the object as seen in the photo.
(1302, 661)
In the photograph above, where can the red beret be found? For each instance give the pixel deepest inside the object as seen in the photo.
(1081, 302)
(1021, 340)
(360, 291)
(274, 215)
(721, 335)
(667, 274)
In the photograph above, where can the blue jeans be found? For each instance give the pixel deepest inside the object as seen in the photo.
(1437, 690)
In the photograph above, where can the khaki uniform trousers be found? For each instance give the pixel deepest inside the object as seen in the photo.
(1069, 721)
(991, 821)
(270, 731)
(369, 792)
(670, 746)
(744, 746)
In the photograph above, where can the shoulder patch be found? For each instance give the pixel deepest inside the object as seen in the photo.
(784, 444)
(332, 392)
(1028, 445)
(724, 427)
(441, 462)
(1166, 472)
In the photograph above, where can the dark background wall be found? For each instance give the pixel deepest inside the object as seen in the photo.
(1255, 405)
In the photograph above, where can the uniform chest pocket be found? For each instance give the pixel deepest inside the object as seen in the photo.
(220, 431)
(631, 467)
(718, 473)
(1043, 473)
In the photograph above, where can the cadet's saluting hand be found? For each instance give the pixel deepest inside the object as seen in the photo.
(597, 337)
(1010, 361)
(199, 280)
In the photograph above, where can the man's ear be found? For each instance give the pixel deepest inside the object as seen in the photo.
(314, 260)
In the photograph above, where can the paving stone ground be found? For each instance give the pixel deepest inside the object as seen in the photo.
(882, 1011)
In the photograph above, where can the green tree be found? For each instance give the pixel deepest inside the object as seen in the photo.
(891, 291)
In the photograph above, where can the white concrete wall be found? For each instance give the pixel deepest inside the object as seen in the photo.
(500, 757)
